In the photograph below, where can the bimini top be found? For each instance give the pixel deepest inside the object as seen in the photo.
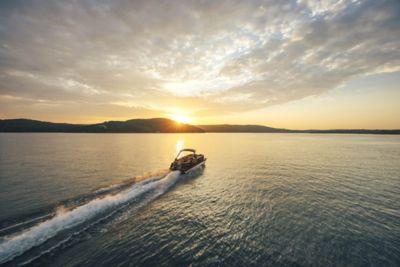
(186, 150)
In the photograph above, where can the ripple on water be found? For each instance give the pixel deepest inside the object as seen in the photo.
(263, 200)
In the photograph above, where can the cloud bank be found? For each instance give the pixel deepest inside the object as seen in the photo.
(132, 58)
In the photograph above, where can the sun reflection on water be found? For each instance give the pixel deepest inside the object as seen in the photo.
(178, 146)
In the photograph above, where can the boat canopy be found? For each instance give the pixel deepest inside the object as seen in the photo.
(186, 150)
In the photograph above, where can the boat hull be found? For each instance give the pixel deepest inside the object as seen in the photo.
(187, 168)
(199, 165)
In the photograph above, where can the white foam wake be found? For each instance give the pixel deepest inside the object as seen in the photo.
(16, 245)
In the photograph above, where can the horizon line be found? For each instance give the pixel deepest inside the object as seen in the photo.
(227, 124)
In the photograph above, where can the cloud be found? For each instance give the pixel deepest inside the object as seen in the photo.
(212, 57)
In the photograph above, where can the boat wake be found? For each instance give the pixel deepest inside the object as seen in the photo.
(96, 209)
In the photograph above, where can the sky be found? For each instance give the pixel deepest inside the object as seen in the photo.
(290, 64)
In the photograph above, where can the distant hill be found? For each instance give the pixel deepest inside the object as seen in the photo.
(157, 125)
(232, 128)
(350, 131)
(25, 125)
(160, 125)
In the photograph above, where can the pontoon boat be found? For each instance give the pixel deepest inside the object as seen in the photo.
(186, 160)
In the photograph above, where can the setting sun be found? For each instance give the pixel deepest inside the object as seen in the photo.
(180, 118)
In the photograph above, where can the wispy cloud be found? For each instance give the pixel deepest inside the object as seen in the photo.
(212, 56)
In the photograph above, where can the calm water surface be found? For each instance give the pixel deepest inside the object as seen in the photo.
(262, 200)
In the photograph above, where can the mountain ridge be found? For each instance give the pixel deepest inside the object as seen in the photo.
(163, 125)
(155, 125)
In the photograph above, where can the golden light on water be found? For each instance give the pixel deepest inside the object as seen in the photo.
(179, 146)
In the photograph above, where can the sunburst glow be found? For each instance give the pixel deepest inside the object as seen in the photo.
(180, 118)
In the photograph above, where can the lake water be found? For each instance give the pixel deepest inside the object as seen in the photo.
(262, 200)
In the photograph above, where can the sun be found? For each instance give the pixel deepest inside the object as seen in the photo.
(180, 118)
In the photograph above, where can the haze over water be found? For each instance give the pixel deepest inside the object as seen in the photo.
(263, 199)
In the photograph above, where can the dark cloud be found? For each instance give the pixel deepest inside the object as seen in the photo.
(212, 56)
